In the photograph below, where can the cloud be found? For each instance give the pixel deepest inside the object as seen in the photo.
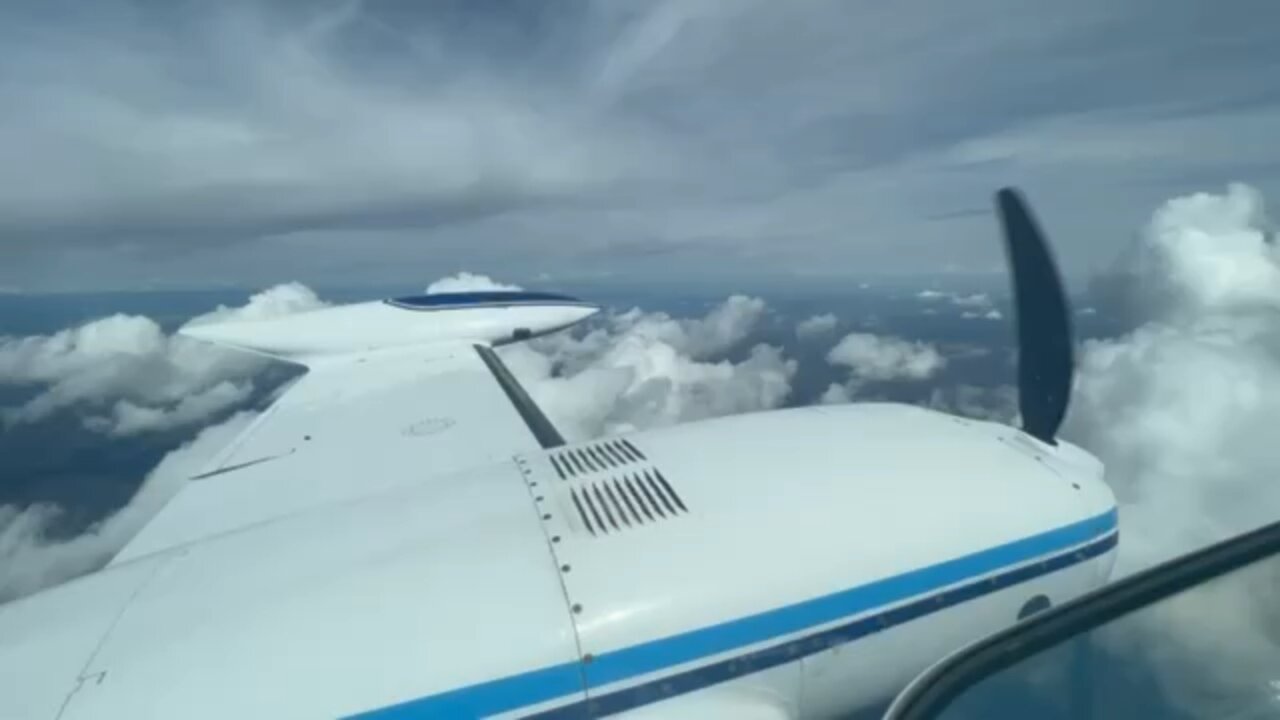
(835, 394)
(816, 326)
(271, 111)
(277, 301)
(979, 302)
(723, 327)
(127, 376)
(883, 357)
(128, 418)
(467, 282)
(998, 403)
(872, 358)
(30, 560)
(355, 140)
(1181, 410)
(637, 370)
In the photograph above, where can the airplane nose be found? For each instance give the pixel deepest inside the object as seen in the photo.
(1087, 475)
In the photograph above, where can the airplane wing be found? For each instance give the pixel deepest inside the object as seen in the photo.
(295, 551)
(360, 422)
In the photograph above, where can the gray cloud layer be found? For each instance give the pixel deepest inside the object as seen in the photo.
(201, 143)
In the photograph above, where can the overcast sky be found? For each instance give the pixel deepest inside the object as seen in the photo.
(197, 144)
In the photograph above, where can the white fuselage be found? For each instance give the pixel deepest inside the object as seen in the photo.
(814, 559)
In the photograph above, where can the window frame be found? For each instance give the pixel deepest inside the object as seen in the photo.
(932, 692)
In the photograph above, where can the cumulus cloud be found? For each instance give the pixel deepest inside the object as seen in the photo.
(978, 305)
(816, 326)
(638, 370)
(128, 376)
(467, 282)
(1182, 410)
(835, 394)
(998, 403)
(30, 560)
(720, 329)
(872, 358)
(884, 357)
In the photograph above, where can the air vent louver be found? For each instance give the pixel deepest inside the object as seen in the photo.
(621, 502)
(598, 457)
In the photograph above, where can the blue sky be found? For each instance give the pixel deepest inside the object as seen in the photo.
(152, 144)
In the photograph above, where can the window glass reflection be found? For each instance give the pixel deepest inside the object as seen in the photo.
(1212, 651)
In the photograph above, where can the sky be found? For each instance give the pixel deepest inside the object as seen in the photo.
(157, 144)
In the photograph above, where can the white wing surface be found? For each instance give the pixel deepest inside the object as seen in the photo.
(361, 422)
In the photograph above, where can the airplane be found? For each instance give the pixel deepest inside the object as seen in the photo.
(404, 534)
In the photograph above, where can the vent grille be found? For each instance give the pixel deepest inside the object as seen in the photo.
(630, 500)
(598, 457)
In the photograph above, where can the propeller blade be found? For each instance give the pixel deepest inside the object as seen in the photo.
(1045, 364)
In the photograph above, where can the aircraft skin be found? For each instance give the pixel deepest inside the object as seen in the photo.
(402, 535)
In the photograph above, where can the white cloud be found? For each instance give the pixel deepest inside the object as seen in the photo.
(999, 403)
(639, 370)
(277, 301)
(835, 394)
(29, 560)
(879, 358)
(883, 357)
(129, 418)
(991, 314)
(1183, 410)
(129, 376)
(977, 301)
(467, 282)
(723, 327)
(816, 326)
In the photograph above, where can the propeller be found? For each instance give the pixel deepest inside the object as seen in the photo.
(1042, 315)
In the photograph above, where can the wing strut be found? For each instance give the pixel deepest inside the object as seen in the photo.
(543, 431)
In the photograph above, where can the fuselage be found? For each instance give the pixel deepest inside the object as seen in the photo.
(817, 558)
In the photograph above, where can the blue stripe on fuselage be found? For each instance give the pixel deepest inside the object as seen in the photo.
(942, 585)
